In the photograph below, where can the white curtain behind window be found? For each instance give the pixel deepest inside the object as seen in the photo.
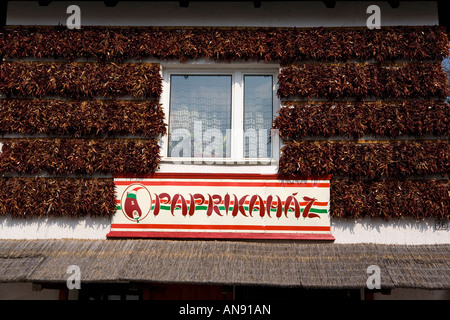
(258, 115)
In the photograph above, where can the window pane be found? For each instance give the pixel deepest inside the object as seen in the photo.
(200, 115)
(258, 115)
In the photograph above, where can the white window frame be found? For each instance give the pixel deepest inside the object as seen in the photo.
(236, 162)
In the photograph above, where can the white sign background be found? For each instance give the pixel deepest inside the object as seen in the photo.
(210, 219)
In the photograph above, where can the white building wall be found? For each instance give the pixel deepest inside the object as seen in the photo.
(405, 231)
(275, 14)
(272, 14)
(200, 13)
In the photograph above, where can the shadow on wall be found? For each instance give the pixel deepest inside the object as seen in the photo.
(394, 231)
(54, 228)
(366, 230)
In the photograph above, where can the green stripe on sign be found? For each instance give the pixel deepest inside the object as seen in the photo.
(313, 210)
(317, 210)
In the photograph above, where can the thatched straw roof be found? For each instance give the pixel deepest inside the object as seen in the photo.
(309, 265)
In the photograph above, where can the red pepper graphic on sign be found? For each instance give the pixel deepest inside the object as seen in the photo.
(132, 208)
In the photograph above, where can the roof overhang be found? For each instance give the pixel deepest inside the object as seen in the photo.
(285, 264)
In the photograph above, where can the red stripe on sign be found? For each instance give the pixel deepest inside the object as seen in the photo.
(317, 203)
(218, 227)
(234, 176)
(220, 235)
(227, 184)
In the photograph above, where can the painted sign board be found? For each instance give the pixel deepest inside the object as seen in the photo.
(209, 206)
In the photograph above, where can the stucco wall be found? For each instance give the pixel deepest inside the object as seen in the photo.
(277, 14)
(407, 231)
(273, 13)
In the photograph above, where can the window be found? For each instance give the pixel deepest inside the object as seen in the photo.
(220, 116)
(258, 115)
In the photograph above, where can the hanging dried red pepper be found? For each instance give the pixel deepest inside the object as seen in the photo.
(80, 80)
(397, 159)
(81, 118)
(355, 119)
(390, 199)
(331, 81)
(285, 45)
(44, 197)
(79, 156)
